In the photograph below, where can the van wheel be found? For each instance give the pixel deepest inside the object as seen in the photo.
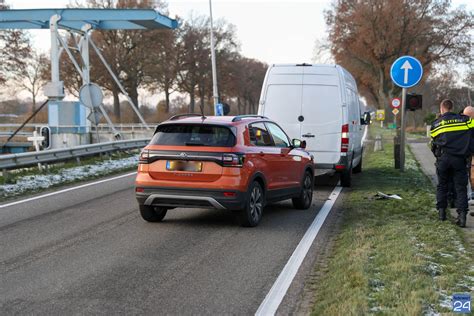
(358, 168)
(346, 178)
(152, 213)
(303, 201)
(251, 215)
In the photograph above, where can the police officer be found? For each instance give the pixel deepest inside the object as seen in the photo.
(451, 137)
(469, 111)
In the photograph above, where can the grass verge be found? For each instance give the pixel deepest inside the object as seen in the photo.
(393, 256)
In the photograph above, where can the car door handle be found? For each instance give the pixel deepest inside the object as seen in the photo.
(308, 135)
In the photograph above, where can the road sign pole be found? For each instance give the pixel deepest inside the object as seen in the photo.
(406, 72)
(402, 131)
(215, 92)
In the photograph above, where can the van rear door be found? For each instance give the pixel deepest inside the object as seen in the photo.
(282, 98)
(323, 117)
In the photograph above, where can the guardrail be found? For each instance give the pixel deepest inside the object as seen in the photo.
(14, 161)
(100, 127)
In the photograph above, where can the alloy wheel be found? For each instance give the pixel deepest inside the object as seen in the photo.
(256, 203)
(307, 189)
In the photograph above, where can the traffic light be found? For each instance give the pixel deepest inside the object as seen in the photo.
(413, 102)
(45, 131)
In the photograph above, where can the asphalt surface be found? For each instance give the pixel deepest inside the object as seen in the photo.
(89, 252)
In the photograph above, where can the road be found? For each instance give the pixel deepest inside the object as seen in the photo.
(88, 251)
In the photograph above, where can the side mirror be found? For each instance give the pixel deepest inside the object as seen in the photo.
(296, 143)
(365, 119)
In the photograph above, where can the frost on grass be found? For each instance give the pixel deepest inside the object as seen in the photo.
(446, 255)
(44, 181)
(445, 300)
(433, 269)
(459, 246)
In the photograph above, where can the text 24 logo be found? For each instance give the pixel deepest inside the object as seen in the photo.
(461, 303)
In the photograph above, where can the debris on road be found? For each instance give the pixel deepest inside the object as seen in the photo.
(383, 196)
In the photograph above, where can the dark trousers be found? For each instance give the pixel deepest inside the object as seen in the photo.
(454, 167)
(451, 190)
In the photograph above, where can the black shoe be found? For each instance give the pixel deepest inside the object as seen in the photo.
(442, 214)
(461, 222)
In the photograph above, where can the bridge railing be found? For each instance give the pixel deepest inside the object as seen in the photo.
(7, 129)
(15, 161)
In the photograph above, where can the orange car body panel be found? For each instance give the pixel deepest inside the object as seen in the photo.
(281, 167)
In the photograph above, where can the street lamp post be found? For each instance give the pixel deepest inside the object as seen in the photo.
(213, 60)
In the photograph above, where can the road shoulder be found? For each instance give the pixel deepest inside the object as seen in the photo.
(300, 297)
(390, 256)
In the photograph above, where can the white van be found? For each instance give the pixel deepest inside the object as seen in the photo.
(318, 104)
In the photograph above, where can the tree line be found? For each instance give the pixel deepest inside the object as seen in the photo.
(366, 37)
(174, 64)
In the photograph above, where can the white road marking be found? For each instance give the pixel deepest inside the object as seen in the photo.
(278, 291)
(67, 190)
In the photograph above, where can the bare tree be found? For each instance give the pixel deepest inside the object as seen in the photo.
(30, 76)
(367, 36)
(322, 51)
(15, 49)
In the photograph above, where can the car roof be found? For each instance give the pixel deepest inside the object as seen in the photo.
(217, 120)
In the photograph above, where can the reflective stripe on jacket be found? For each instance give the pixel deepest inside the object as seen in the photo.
(453, 133)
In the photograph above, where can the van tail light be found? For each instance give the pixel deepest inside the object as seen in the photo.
(233, 160)
(144, 155)
(345, 138)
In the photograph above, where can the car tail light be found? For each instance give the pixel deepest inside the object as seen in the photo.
(229, 194)
(345, 138)
(144, 155)
(139, 190)
(233, 160)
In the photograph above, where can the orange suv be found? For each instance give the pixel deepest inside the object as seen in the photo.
(236, 163)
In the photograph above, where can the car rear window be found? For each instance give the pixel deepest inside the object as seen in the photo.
(193, 135)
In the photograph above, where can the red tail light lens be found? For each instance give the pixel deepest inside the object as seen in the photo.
(345, 128)
(144, 155)
(233, 160)
(345, 138)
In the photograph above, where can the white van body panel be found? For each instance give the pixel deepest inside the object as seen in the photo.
(324, 97)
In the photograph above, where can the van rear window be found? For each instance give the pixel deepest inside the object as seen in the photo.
(193, 135)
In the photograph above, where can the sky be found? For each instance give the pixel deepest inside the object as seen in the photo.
(271, 31)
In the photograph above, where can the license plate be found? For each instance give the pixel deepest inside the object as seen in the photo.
(190, 166)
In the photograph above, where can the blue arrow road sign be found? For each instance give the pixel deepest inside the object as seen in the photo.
(406, 72)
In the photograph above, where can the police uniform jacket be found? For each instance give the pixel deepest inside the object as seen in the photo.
(452, 134)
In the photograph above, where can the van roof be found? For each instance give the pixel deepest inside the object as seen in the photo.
(316, 69)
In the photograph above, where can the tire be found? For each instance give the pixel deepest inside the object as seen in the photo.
(251, 215)
(152, 214)
(304, 200)
(358, 168)
(346, 178)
